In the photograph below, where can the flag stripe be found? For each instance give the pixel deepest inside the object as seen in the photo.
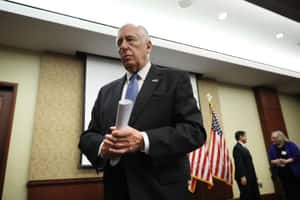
(213, 160)
(220, 160)
(200, 167)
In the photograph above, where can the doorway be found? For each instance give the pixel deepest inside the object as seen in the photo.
(8, 93)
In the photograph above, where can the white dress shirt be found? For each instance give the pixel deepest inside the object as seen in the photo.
(142, 74)
(244, 145)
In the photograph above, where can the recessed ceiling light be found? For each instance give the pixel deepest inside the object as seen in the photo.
(185, 3)
(223, 16)
(279, 35)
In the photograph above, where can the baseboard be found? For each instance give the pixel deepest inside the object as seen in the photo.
(268, 196)
(75, 189)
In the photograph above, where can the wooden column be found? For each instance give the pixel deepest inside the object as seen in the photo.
(8, 94)
(271, 119)
(270, 113)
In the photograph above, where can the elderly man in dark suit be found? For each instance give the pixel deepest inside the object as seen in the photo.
(245, 174)
(148, 159)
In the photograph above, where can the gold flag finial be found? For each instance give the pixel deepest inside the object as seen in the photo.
(209, 97)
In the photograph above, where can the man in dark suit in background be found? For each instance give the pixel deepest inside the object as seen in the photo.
(148, 159)
(245, 174)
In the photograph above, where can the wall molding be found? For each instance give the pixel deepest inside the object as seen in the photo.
(267, 196)
(75, 189)
(37, 183)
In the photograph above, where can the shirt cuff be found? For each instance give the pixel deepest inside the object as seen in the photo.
(146, 143)
(114, 162)
(99, 152)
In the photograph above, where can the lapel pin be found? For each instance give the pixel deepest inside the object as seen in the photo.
(155, 80)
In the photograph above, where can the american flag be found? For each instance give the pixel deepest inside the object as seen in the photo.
(220, 162)
(200, 167)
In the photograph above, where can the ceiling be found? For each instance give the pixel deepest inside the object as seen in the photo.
(40, 30)
(248, 32)
(287, 8)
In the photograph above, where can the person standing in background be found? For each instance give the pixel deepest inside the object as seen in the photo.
(284, 157)
(245, 174)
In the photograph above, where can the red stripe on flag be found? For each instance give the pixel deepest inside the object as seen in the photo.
(225, 161)
(213, 152)
(219, 155)
(193, 159)
(218, 158)
(198, 163)
(203, 169)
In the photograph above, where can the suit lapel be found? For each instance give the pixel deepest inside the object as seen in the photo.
(116, 96)
(152, 80)
(244, 149)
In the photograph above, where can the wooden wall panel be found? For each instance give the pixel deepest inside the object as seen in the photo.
(8, 93)
(270, 113)
(271, 119)
(266, 197)
(219, 191)
(73, 189)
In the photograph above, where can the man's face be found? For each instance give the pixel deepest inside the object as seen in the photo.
(133, 48)
(243, 138)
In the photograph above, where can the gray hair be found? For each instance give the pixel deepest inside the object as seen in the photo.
(280, 136)
(143, 31)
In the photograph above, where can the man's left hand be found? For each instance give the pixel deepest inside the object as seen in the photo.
(126, 140)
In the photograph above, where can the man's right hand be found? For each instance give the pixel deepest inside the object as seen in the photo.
(120, 142)
(105, 149)
(244, 181)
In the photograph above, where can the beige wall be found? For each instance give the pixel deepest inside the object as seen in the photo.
(239, 111)
(22, 67)
(290, 106)
(58, 120)
(209, 87)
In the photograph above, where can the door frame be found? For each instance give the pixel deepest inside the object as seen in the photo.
(13, 87)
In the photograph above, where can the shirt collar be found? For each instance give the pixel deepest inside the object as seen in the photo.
(243, 144)
(142, 73)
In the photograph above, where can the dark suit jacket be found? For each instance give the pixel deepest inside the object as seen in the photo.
(166, 110)
(243, 163)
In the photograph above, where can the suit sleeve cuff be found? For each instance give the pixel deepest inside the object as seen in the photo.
(146, 143)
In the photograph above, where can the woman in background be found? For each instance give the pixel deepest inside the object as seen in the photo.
(284, 156)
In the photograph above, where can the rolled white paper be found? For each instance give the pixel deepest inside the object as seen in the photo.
(124, 111)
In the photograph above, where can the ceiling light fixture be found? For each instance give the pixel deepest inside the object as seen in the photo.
(185, 3)
(223, 16)
(279, 35)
